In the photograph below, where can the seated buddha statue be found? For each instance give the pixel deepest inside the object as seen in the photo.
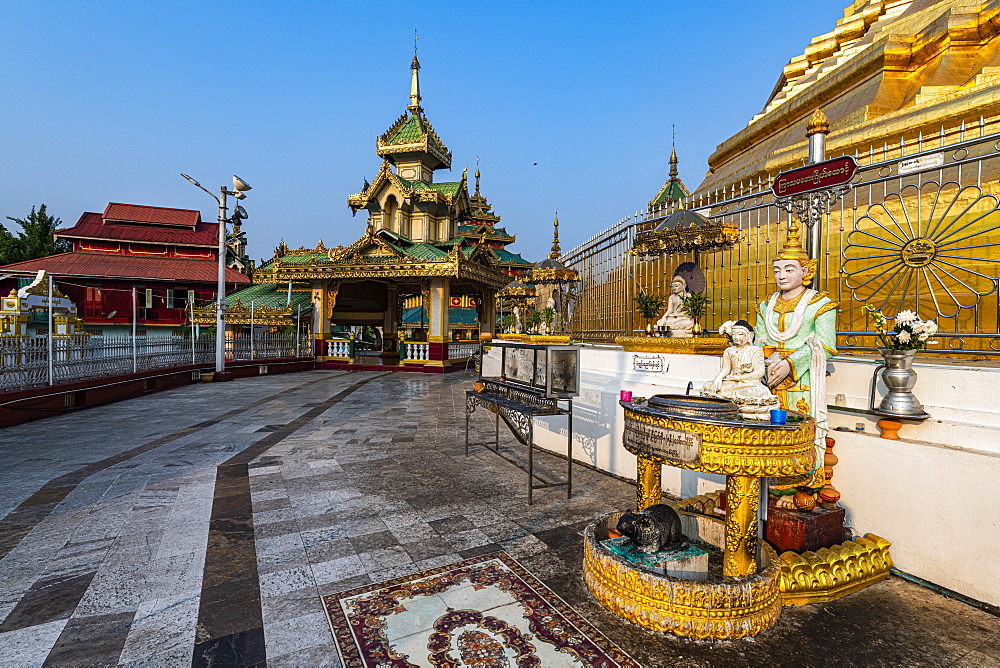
(740, 378)
(680, 323)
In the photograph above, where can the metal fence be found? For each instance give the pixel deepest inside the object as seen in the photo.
(29, 362)
(920, 230)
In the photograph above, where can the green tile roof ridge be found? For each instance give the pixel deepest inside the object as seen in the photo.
(271, 295)
(409, 132)
(446, 187)
(302, 258)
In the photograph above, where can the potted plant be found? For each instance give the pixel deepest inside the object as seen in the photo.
(649, 305)
(533, 320)
(695, 305)
(900, 344)
(509, 323)
(548, 315)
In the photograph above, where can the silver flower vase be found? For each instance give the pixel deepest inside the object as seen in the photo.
(899, 379)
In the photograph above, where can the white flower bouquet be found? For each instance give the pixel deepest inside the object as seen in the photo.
(909, 332)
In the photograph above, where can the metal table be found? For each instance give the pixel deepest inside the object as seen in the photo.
(518, 406)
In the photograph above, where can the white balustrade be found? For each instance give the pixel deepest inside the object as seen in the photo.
(462, 351)
(338, 348)
(417, 351)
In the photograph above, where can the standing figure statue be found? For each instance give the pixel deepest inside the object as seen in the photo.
(675, 317)
(801, 325)
(741, 377)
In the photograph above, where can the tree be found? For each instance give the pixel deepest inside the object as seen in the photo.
(34, 240)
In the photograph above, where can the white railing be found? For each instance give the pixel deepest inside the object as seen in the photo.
(462, 351)
(26, 362)
(417, 351)
(338, 348)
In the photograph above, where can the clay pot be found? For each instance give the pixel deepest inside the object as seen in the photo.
(829, 495)
(804, 500)
(890, 428)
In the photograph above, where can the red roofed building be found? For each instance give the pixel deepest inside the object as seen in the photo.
(168, 255)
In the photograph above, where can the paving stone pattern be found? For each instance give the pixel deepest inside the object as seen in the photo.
(200, 526)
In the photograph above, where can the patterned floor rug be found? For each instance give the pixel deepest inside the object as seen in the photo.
(487, 612)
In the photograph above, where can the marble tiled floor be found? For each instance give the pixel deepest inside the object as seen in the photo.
(201, 526)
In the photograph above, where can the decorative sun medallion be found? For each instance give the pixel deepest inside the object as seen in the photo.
(918, 252)
(929, 247)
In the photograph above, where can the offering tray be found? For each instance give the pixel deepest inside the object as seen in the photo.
(708, 435)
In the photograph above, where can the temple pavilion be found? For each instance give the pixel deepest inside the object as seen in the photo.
(428, 245)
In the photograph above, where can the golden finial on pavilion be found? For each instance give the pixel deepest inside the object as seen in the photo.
(415, 78)
(818, 123)
(477, 174)
(556, 251)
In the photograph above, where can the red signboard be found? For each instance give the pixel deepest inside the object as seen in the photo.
(819, 175)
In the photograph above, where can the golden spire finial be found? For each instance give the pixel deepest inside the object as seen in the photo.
(415, 78)
(465, 175)
(818, 123)
(556, 251)
(673, 153)
(477, 174)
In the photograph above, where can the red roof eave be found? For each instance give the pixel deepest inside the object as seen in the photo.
(58, 235)
(126, 267)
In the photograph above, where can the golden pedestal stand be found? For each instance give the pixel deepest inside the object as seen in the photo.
(746, 602)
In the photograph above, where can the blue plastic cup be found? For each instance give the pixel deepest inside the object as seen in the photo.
(779, 416)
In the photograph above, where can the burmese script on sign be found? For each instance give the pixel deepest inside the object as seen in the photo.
(672, 444)
(827, 174)
(649, 363)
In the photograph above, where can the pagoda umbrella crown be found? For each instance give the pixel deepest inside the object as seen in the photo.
(551, 271)
(684, 231)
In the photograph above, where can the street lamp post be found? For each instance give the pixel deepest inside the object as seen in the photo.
(239, 188)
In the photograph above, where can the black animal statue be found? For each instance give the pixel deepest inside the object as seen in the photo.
(651, 530)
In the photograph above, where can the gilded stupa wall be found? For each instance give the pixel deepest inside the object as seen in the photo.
(912, 90)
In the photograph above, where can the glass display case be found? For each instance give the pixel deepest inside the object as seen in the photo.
(551, 370)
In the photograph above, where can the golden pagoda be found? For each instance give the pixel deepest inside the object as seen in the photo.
(412, 248)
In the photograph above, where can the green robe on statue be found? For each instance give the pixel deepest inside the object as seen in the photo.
(804, 332)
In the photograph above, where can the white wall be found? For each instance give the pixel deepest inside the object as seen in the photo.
(933, 494)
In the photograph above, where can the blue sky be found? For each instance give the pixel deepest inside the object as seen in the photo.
(109, 101)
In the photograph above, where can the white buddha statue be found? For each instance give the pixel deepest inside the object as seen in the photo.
(740, 378)
(680, 323)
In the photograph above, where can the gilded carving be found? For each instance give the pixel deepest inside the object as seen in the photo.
(832, 572)
(682, 346)
(736, 450)
(737, 608)
(332, 288)
(648, 486)
(742, 495)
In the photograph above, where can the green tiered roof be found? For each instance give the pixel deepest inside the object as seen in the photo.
(412, 131)
(447, 188)
(673, 189)
(271, 295)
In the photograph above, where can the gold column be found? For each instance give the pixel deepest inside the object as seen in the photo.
(740, 555)
(648, 489)
(437, 331)
(321, 322)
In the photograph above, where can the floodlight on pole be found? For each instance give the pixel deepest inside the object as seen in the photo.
(239, 185)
